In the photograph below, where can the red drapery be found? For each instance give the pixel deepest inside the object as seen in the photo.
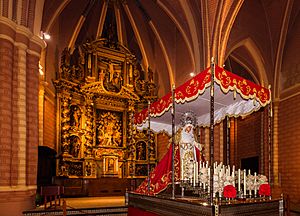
(161, 176)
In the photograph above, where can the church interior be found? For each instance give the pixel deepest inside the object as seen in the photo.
(74, 74)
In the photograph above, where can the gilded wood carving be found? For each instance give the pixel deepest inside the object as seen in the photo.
(99, 87)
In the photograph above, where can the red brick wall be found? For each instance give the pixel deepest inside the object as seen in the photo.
(49, 124)
(15, 121)
(6, 59)
(32, 86)
(162, 145)
(248, 137)
(289, 147)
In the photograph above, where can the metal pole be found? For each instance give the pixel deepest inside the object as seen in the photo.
(173, 141)
(212, 69)
(148, 147)
(228, 140)
(270, 115)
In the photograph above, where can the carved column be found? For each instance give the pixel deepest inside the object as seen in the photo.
(89, 126)
(131, 131)
(65, 125)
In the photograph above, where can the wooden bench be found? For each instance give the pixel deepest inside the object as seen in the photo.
(52, 192)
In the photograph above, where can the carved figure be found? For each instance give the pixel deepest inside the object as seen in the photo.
(75, 116)
(188, 145)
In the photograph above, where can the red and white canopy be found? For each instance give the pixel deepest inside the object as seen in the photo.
(233, 96)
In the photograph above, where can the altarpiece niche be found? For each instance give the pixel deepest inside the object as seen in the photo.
(99, 87)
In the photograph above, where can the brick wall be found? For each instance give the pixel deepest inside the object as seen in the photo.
(6, 59)
(248, 137)
(49, 123)
(289, 147)
(19, 81)
(32, 87)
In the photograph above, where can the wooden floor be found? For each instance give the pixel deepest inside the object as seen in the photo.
(92, 202)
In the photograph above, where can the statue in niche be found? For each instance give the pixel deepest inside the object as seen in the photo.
(141, 150)
(75, 146)
(150, 75)
(113, 77)
(75, 116)
(88, 169)
(111, 165)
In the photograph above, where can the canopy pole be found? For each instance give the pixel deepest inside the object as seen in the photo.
(228, 140)
(212, 100)
(148, 147)
(173, 141)
(270, 146)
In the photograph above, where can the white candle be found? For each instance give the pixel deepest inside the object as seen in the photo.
(255, 184)
(197, 172)
(194, 176)
(245, 186)
(181, 171)
(233, 177)
(208, 178)
(239, 180)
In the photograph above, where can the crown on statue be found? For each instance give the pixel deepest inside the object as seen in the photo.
(188, 118)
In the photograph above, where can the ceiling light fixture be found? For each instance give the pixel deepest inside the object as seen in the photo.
(45, 36)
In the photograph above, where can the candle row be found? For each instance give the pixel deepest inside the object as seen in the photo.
(222, 176)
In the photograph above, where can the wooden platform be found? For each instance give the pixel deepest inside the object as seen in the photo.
(81, 187)
(193, 206)
(114, 205)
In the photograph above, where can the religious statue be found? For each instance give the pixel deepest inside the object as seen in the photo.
(188, 145)
(75, 116)
(75, 146)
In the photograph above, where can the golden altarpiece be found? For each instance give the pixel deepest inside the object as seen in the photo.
(99, 87)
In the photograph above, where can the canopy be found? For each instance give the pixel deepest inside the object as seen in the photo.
(233, 96)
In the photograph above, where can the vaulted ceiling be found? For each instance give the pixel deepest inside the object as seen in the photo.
(256, 39)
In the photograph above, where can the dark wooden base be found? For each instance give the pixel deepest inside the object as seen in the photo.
(93, 187)
(193, 206)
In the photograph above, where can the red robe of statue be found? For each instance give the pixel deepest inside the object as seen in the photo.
(161, 176)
